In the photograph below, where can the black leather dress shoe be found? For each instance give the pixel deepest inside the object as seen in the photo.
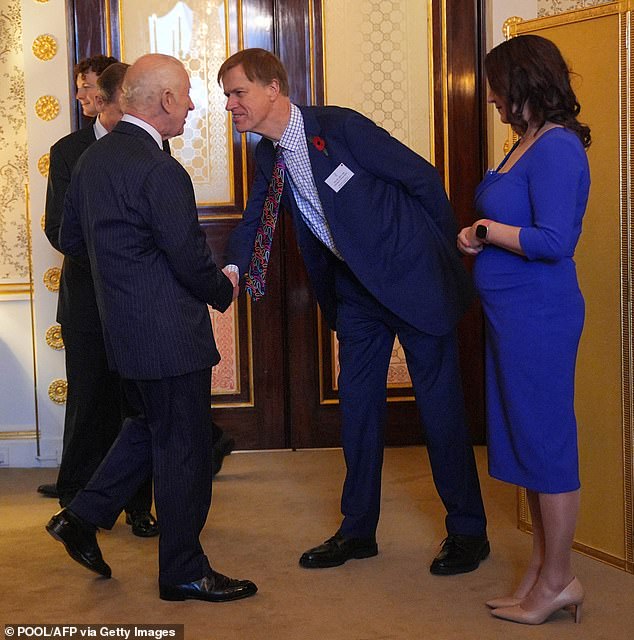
(213, 588)
(460, 554)
(48, 490)
(80, 540)
(143, 524)
(222, 448)
(337, 550)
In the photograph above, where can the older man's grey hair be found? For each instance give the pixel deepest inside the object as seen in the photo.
(147, 79)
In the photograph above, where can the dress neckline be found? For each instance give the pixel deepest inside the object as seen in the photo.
(516, 144)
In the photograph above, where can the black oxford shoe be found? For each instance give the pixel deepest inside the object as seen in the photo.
(213, 588)
(48, 490)
(337, 550)
(80, 540)
(143, 524)
(460, 554)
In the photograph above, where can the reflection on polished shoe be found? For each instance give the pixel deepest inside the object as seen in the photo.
(143, 524)
(80, 539)
(48, 490)
(337, 550)
(460, 554)
(213, 588)
(222, 448)
(571, 596)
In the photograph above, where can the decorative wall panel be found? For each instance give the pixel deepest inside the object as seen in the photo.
(552, 7)
(377, 63)
(14, 264)
(195, 33)
(225, 379)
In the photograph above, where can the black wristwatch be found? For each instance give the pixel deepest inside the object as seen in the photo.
(482, 231)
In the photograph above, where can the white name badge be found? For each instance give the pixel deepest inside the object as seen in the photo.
(339, 177)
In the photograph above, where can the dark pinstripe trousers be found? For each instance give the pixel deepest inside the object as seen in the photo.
(169, 435)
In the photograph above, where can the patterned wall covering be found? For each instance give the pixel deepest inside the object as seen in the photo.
(193, 32)
(14, 265)
(551, 7)
(377, 63)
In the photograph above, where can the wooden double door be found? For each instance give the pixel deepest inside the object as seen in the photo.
(282, 379)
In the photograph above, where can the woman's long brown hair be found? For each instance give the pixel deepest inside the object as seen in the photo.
(530, 71)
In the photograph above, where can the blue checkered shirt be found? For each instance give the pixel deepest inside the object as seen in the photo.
(300, 175)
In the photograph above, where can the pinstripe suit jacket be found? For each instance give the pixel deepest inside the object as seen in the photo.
(130, 207)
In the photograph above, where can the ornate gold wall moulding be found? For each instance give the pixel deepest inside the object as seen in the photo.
(42, 1)
(43, 164)
(15, 288)
(44, 47)
(51, 278)
(18, 435)
(58, 390)
(508, 25)
(43, 222)
(54, 337)
(47, 108)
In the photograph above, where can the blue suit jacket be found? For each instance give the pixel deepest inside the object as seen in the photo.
(131, 207)
(391, 221)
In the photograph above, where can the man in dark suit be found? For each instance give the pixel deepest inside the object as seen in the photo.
(95, 406)
(131, 209)
(378, 236)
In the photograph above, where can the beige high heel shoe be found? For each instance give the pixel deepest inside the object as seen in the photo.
(505, 601)
(571, 596)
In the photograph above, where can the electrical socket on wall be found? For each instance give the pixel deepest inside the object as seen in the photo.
(4, 457)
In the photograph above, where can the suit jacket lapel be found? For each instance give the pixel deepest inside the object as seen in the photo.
(322, 164)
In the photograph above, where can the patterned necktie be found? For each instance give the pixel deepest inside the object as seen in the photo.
(256, 275)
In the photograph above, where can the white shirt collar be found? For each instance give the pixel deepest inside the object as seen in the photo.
(144, 125)
(99, 129)
(294, 132)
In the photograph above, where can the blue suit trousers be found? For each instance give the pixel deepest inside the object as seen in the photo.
(366, 331)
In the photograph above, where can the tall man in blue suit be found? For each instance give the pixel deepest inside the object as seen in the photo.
(130, 208)
(378, 237)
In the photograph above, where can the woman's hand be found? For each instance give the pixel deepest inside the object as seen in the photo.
(468, 243)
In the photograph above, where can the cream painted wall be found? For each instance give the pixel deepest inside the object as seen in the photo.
(45, 78)
(22, 400)
(377, 63)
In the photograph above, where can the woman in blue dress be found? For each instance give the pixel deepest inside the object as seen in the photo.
(530, 211)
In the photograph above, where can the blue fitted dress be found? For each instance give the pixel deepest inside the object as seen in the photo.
(534, 313)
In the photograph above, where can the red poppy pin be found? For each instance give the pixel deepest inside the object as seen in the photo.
(319, 143)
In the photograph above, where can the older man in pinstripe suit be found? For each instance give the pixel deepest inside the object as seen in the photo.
(154, 276)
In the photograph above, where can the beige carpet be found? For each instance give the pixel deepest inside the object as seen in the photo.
(268, 507)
